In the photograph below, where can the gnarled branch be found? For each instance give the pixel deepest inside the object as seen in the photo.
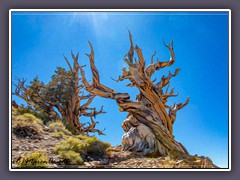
(91, 128)
(150, 109)
(165, 80)
(150, 69)
(173, 110)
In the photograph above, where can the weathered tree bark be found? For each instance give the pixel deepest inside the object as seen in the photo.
(148, 127)
(74, 110)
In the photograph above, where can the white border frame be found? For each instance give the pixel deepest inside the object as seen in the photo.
(119, 10)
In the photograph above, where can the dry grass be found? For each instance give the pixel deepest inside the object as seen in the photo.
(27, 120)
(59, 128)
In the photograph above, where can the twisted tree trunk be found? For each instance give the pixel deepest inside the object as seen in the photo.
(148, 127)
(75, 108)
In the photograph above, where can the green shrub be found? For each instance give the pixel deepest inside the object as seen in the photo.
(26, 120)
(32, 117)
(95, 147)
(40, 114)
(59, 135)
(70, 149)
(82, 137)
(71, 157)
(58, 126)
(71, 144)
(81, 145)
(38, 159)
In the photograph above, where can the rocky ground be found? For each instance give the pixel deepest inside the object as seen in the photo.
(121, 159)
(29, 135)
(116, 158)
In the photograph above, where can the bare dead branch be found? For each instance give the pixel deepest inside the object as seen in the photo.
(141, 61)
(173, 110)
(70, 67)
(150, 69)
(93, 113)
(130, 54)
(152, 60)
(165, 80)
(91, 128)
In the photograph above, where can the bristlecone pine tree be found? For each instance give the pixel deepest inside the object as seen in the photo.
(149, 124)
(64, 95)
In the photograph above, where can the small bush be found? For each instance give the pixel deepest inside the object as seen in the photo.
(27, 120)
(70, 149)
(59, 135)
(71, 157)
(38, 113)
(71, 144)
(82, 137)
(95, 147)
(38, 159)
(32, 117)
(81, 145)
(58, 126)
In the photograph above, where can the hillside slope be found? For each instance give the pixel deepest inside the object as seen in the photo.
(35, 145)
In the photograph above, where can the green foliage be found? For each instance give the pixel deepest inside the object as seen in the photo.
(95, 147)
(59, 99)
(40, 114)
(59, 128)
(72, 157)
(82, 137)
(71, 144)
(81, 145)
(70, 150)
(34, 89)
(36, 93)
(38, 159)
(71, 127)
(59, 135)
(27, 120)
(43, 98)
(61, 87)
(29, 116)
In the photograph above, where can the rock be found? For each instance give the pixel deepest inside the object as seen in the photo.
(105, 162)
(45, 128)
(206, 163)
(87, 164)
(139, 163)
(16, 148)
(55, 166)
(116, 148)
(50, 145)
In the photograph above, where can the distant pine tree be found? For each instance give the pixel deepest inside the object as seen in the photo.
(61, 98)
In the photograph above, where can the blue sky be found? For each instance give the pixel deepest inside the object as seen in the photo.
(39, 40)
